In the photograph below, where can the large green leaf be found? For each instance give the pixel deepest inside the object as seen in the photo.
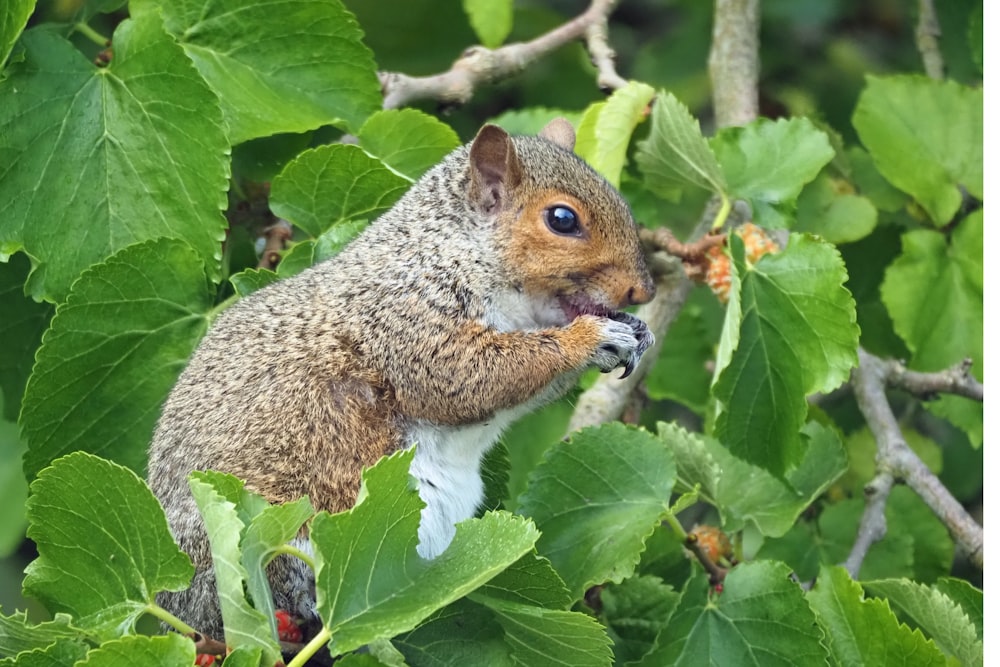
(331, 185)
(370, 582)
(286, 67)
(861, 631)
(745, 494)
(20, 332)
(676, 154)
(829, 208)
(769, 161)
(407, 140)
(761, 618)
(612, 128)
(936, 614)
(245, 625)
(635, 612)
(462, 634)
(62, 653)
(491, 19)
(17, 634)
(95, 159)
(112, 353)
(797, 336)
(104, 549)
(170, 650)
(967, 596)
(596, 497)
(926, 137)
(13, 17)
(934, 294)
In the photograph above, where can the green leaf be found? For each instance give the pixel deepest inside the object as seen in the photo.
(530, 581)
(112, 353)
(332, 184)
(13, 17)
(862, 631)
(596, 497)
(744, 493)
(635, 611)
(244, 656)
(98, 159)
(20, 332)
(968, 597)
(268, 531)
(532, 119)
(936, 614)
(768, 161)
(62, 653)
(308, 69)
(616, 120)
(104, 549)
(168, 650)
(676, 154)
(250, 280)
(828, 208)
(761, 618)
(460, 635)
(370, 581)
(934, 294)
(244, 624)
(494, 469)
(926, 138)
(13, 489)
(491, 19)
(798, 335)
(872, 184)
(408, 141)
(17, 634)
(540, 637)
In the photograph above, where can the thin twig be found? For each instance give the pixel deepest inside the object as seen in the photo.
(716, 573)
(479, 65)
(895, 459)
(275, 238)
(926, 386)
(873, 525)
(927, 32)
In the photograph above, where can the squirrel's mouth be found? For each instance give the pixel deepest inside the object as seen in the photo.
(578, 304)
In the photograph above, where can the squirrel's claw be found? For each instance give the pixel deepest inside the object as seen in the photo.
(629, 367)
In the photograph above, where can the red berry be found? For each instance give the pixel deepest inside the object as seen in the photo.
(204, 660)
(288, 629)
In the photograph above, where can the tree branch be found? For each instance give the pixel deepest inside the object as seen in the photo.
(926, 386)
(927, 32)
(895, 460)
(734, 63)
(479, 65)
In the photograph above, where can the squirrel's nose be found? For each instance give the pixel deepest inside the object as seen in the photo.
(642, 292)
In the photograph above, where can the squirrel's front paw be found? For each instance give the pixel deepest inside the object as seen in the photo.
(624, 338)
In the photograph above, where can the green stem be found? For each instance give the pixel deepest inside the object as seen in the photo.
(678, 529)
(723, 214)
(91, 34)
(221, 306)
(171, 620)
(298, 553)
(309, 650)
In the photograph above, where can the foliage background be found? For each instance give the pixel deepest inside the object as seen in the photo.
(815, 57)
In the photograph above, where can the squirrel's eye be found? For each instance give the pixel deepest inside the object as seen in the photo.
(562, 220)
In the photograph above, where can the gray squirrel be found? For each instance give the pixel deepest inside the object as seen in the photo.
(481, 295)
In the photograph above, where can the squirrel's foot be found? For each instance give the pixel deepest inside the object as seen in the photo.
(625, 338)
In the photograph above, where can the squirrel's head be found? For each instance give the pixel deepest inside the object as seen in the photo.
(565, 234)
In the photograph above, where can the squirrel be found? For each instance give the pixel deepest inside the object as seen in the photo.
(483, 293)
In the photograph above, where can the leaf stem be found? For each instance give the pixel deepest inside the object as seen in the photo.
(676, 526)
(171, 620)
(91, 34)
(723, 214)
(309, 650)
(221, 306)
(298, 553)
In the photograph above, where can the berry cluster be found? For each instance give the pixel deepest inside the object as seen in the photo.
(718, 276)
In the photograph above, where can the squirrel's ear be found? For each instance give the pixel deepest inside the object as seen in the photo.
(494, 168)
(560, 132)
